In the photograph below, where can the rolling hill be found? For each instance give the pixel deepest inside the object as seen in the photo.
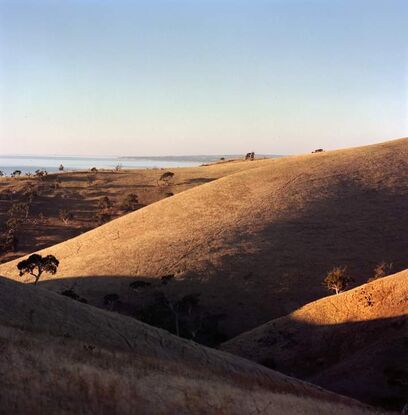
(61, 356)
(256, 244)
(79, 194)
(354, 343)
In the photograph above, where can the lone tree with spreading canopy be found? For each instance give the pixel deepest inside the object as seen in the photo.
(166, 177)
(36, 264)
(337, 279)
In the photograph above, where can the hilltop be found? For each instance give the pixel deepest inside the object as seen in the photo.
(354, 343)
(254, 245)
(60, 356)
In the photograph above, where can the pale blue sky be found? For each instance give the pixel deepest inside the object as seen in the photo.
(160, 77)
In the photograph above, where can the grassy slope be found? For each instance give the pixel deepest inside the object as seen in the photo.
(257, 243)
(79, 193)
(61, 356)
(354, 343)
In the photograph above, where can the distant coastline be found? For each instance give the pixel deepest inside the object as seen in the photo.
(29, 164)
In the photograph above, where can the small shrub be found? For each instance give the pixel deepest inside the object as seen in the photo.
(61, 167)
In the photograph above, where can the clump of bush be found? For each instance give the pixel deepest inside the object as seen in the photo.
(105, 210)
(381, 270)
(72, 294)
(130, 203)
(8, 241)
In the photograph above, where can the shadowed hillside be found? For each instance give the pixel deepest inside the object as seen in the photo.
(355, 343)
(256, 244)
(60, 356)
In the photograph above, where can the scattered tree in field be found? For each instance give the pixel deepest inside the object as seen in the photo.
(381, 270)
(36, 265)
(136, 285)
(166, 177)
(130, 203)
(61, 167)
(104, 213)
(16, 173)
(41, 173)
(8, 241)
(1, 173)
(166, 278)
(65, 216)
(103, 217)
(72, 294)
(318, 150)
(250, 156)
(105, 203)
(111, 300)
(90, 179)
(118, 167)
(94, 170)
(337, 279)
(17, 214)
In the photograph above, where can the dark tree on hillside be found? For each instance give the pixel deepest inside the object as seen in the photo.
(337, 279)
(104, 203)
(130, 203)
(8, 241)
(61, 167)
(381, 270)
(16, 173)
(166, 177)
(65, 216)
(36, 264)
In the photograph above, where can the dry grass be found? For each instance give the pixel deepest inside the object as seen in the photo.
(354, 343)
(61, 356)
(78, 194)
(47, 375)
(256, 244)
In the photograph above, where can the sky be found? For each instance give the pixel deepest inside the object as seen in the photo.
(184, 77)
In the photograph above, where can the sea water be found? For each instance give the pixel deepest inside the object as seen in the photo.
(29, 164)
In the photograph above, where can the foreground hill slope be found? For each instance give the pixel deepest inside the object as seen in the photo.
(255, 244)
(355, 343)
(61, 356)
